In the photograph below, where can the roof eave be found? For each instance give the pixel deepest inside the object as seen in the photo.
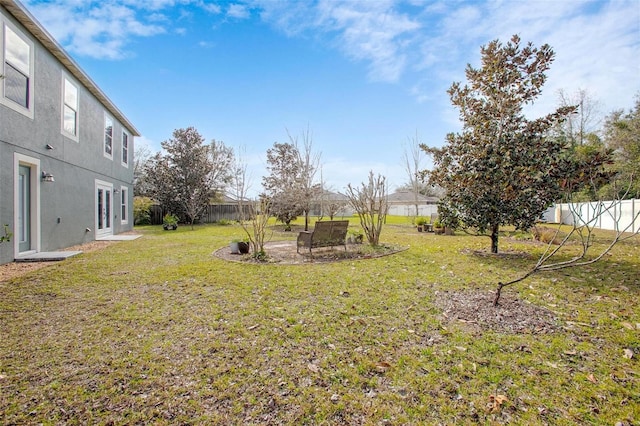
(22, 15)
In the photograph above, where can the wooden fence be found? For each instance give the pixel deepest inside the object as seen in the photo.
(214, 213)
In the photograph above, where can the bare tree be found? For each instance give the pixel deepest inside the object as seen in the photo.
(582, 230)
(412, 157)
(586, 119)
(141, 159)
(253, 215)
(370, 202)
(222, 161)
(308, 165)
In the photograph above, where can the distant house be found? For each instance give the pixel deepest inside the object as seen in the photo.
(66, 151)
(403, 203)
(328, 203)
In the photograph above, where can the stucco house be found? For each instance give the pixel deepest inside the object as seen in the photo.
(403, 203)
(66, 151)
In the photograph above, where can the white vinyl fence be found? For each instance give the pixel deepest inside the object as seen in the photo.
(623, 216)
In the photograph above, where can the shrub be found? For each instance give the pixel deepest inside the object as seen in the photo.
(7, 235)
(142, 210)
(547, 235)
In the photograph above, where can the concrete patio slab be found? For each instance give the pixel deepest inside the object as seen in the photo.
(47, 256)
(120, 237)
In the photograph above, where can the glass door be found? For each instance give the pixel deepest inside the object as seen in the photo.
(104, 210)
(24, 208)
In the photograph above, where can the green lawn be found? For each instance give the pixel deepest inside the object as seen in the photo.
(159, 331)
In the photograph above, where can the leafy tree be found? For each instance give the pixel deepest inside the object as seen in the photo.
(591, 171)
(142, 210)
(185, 179)
(370, 203)
(282, 185)
(157, 177)
(622, 134)
(501, 168)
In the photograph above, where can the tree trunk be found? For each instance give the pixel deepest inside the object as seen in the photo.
(494, 238)
(306, 220)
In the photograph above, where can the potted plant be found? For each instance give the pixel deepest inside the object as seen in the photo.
(355, 236)
(239, 246)
(243, 247)
(421, 222)
(170, 221)
(438, 228)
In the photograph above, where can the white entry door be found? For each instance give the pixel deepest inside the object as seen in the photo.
(104, 209)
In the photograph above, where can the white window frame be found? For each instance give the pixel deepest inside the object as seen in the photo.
(124, 205)
(65, 79)
(122, 153)
(28, 112)
(107, 117)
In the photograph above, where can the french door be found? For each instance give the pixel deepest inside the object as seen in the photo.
(104, 209)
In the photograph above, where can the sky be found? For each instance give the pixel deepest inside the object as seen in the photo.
(364, 78)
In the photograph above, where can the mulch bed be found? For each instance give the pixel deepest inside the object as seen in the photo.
(474, 309)
(284, 252)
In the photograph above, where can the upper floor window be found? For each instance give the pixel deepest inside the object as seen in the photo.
(125, 149)
(17, 70)
(70, 108)
(108, 136)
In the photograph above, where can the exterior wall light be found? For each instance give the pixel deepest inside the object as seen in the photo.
(47, 177)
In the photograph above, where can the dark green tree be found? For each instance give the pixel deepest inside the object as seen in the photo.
(185, 178)
(501, 169)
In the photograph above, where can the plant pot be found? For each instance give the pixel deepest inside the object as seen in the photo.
(438, 231)
(243, 247)
(235, 247)
(420, 228)
(169, 227)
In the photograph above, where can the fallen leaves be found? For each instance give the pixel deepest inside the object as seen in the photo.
(495, 403)
(382, 367)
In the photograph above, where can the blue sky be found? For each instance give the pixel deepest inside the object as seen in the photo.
(363, 76)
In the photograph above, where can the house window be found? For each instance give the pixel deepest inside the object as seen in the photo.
(17, 70)
(108, 136)
(125, 149)
(124, 202)
(70, 109)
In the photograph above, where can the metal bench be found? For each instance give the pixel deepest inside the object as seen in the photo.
(327, 233)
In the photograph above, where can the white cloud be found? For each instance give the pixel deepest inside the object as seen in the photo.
(238, 11)
(99, 30)
(596, 45)
(423, 46)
